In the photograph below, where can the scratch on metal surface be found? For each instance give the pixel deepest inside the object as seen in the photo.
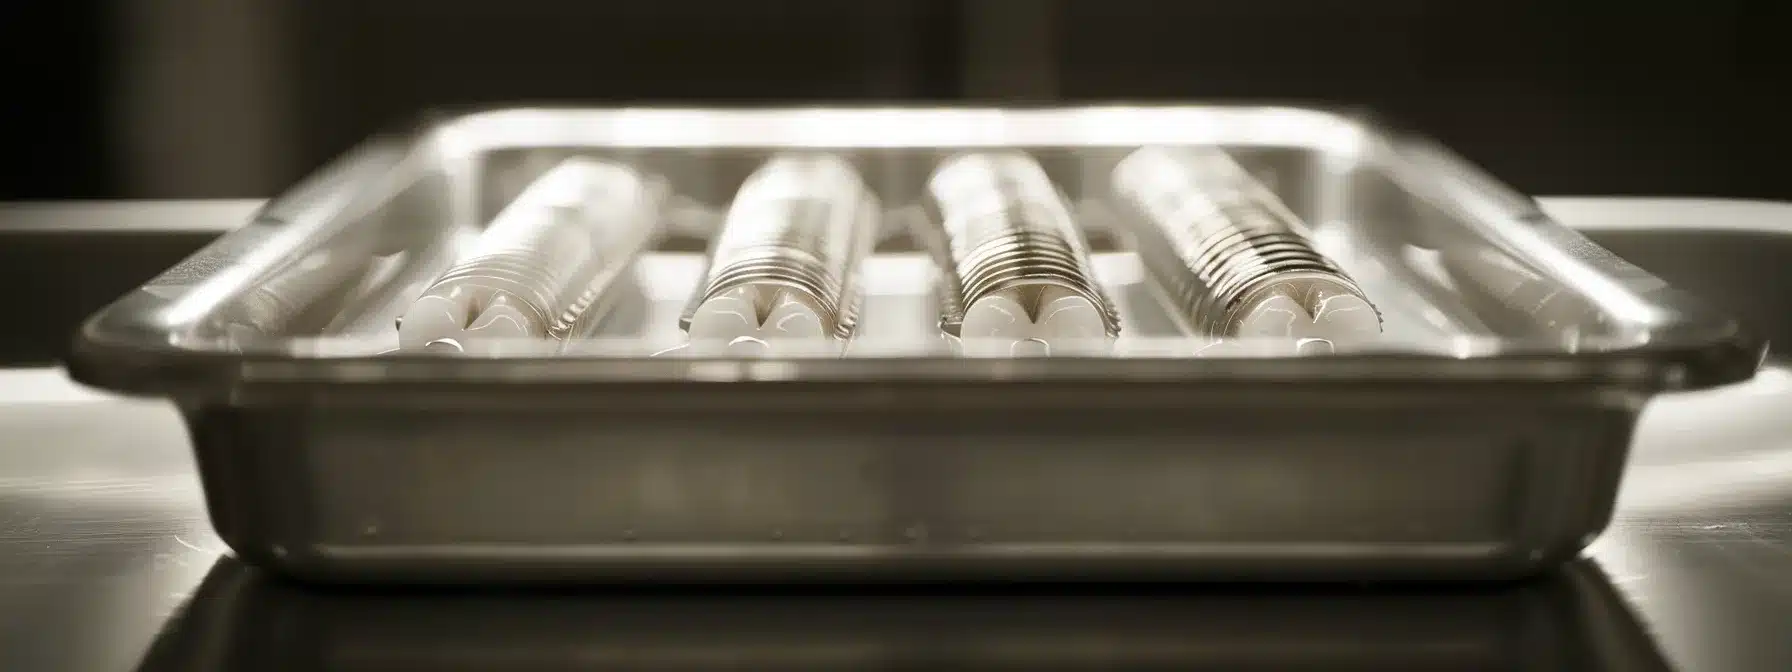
(1632, 577)
(185, 543)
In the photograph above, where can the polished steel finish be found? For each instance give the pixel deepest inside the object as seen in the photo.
(307, 290)
(546, 258)
(1422, 455)
(1008, 230)
(801, 223)
(1223, 248)
(104, 540)
(283, 304)
(1571, 621)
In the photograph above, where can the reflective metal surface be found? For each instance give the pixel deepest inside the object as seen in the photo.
(786, 261)
(1494, 455)
(1347, 177)
(1228, 252)
(103, 538)
(1016, 262)
(1569, 621)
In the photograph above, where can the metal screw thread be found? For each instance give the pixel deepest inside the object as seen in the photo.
(533, 276)
(1211, 235)
(560, 233)
(801, 223)
(1006, 226)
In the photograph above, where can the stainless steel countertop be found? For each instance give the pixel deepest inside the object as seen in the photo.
(103, 535)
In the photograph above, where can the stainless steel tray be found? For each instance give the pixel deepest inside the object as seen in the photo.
(1483, 438)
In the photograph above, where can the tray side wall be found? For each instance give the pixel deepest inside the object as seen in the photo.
(433, 497)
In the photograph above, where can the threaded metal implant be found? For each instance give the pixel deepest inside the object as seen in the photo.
(785, 262)
(530, 271)
(1019, 265)
(1230, 256)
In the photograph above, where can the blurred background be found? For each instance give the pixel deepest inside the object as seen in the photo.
(221, 99)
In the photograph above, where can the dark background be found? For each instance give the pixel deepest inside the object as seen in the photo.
(235, 98)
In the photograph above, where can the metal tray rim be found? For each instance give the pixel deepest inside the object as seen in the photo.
(125, 348)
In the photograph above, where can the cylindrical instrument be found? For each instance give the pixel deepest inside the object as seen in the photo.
(783, 267)
(1019, 265)
(1229, 255)
(532, 272)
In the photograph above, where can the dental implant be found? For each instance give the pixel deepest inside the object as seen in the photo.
(542, 262)
(1231, 259)
(782, 273)
(1020, 281)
